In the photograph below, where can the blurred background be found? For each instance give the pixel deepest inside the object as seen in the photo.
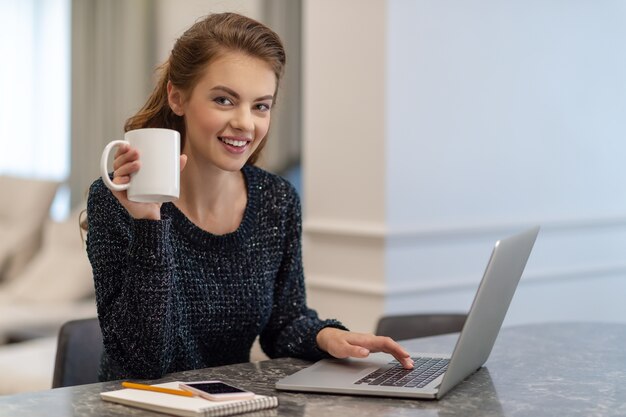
(417, 132)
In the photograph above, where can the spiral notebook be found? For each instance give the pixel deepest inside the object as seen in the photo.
(186, 406)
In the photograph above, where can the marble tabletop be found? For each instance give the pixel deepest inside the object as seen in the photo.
(555, 369)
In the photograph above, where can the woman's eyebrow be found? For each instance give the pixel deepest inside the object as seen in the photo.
(267, 97)
(226, 90)
(235, 95)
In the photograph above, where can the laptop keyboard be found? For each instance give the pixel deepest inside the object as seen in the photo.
(424, 371)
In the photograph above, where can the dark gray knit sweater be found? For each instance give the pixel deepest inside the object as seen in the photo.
(173, 297)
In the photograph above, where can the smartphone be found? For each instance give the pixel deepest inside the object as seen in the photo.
(216, 390)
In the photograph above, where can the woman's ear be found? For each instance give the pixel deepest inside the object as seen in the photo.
(175, 99)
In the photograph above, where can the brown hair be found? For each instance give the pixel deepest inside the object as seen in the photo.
(206, 40)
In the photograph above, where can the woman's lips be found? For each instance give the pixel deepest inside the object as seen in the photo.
(235, 145)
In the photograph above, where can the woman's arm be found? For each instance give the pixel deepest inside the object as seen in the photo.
(292, 328)
(295, 330)
(133, 271)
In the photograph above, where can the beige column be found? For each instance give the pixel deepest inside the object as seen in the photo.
(343, 158)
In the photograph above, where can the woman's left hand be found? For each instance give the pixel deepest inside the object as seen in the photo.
(344, 344)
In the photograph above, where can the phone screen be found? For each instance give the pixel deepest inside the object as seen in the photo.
(216, 388)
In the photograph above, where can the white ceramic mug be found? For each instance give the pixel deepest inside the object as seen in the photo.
(158, 178)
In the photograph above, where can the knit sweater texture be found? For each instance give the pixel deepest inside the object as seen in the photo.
(172, 296)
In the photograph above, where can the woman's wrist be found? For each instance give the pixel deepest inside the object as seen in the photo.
(323, 337)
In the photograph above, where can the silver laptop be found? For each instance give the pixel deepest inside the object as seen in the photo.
(433, 374)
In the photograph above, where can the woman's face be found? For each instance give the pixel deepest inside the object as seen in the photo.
(228, 113)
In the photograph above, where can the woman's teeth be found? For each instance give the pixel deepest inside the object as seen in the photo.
(237, 143)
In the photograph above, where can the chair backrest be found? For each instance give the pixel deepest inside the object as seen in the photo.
(60, 272)
(79, 350)
(412, 326)
(22, 217)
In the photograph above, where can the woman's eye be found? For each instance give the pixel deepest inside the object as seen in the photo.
(263, 107)
(223, 101)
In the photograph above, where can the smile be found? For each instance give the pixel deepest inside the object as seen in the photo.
(234, 142)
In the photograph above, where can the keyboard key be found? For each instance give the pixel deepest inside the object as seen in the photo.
(425, 370)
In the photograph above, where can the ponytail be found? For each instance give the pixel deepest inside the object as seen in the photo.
(157, 112)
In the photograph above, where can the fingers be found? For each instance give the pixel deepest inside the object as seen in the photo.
(343, 344)
(334, 341)
(127, 169)
(124, 155)
(183, 162)
(126, 163)
(381, 344)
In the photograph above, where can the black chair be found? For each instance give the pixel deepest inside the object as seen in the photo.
(79, 350)
(412, 326)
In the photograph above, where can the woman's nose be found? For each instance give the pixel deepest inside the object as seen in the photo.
(242, 120)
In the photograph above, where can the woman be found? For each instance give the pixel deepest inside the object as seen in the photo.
(191, 284)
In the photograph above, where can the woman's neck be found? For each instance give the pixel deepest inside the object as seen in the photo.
(211, 198)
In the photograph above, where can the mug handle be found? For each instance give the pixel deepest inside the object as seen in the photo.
(103, 167)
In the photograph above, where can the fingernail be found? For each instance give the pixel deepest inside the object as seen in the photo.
(364, 352)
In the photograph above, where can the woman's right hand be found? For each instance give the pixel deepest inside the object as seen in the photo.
(126, 163)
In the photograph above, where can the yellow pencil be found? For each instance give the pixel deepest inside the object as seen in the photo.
(145, 387)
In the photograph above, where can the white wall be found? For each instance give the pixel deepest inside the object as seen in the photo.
(505, 112)
(499, 115)
(496, 116)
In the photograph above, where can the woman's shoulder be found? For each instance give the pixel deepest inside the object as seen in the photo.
(270, 184)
